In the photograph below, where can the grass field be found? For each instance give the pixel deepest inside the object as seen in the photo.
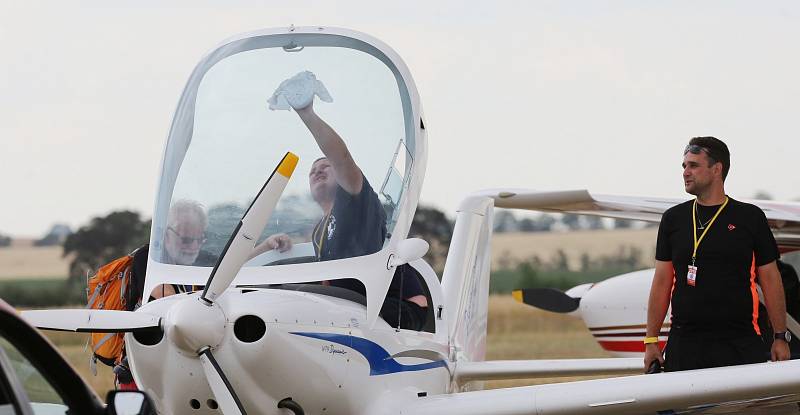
(520, 246)
(515, 331)
(23, 260)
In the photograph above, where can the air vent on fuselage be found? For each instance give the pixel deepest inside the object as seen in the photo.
(249, 328)
(149, 336)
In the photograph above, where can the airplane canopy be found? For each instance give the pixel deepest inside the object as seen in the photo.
(225, 141)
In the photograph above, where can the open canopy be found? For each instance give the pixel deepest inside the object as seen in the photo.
(225, 141)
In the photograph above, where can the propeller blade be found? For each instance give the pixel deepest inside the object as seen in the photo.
(84, 320)
(244, 237)
(548, 299)
(228, 402)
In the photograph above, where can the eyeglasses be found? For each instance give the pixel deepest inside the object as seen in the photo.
(187, 240)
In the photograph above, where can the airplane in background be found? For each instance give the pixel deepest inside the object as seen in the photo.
(615, 310)
(263, 337)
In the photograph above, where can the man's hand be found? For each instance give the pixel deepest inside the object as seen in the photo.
(280, 242)
(780, 350)
(652, 353)
(298, 92)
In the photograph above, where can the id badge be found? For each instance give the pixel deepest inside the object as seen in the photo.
(691, 276)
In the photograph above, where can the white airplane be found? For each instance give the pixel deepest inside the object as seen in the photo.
(615, 310)
(260, 339)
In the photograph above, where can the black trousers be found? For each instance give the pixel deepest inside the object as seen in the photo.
(690, 352)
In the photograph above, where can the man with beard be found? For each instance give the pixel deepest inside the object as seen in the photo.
(186, 234)
(710, 253)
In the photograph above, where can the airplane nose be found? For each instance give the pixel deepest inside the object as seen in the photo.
(192, 325)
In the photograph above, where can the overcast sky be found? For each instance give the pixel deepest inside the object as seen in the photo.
(541, 94)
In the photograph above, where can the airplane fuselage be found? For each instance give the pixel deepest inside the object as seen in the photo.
(311, 348)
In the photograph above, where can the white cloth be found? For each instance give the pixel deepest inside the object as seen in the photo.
(298, 92)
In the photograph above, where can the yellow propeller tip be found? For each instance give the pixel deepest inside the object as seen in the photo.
(517, 294)
(289, 162)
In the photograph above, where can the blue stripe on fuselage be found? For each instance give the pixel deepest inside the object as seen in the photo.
(380, 362)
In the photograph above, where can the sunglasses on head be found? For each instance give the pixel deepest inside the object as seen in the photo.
(695, 149)
(187, 240)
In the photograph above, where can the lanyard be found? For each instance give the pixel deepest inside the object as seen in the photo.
(321, 229)
(694, 226)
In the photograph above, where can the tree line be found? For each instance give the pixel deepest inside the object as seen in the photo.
(106, 238)
(509, 221)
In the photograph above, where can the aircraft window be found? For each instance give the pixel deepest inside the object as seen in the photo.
(393, 184)
(36, 385)
(330, 291)
(213, 170)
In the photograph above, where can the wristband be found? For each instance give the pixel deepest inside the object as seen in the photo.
(650, 340)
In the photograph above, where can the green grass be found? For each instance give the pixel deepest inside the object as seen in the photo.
(46, 292)
(506, 280)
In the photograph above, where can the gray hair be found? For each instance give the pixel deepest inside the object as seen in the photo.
(187, 210)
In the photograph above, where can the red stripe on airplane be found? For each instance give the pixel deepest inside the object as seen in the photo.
(635, 346)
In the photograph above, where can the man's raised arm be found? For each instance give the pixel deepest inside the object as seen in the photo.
(348, 174)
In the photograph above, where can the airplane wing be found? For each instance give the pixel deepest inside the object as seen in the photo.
(520, 369)
(764, 388)
(783, 217)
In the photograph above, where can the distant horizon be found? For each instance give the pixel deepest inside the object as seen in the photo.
(518, 214)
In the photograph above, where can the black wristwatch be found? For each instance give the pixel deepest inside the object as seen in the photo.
(784, 335)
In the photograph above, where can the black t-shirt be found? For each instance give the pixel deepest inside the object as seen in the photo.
(724, 300)
(355, 227)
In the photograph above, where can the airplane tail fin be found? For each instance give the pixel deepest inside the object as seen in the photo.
(465, 282)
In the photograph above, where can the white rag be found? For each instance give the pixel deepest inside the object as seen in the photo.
(298, 92)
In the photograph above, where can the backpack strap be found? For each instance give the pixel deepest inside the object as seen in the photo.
(123, 288)
(97, 290)
(105, 338)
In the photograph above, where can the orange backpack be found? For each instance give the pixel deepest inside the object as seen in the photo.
(107, 290)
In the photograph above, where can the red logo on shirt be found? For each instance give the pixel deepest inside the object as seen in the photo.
(731, 227)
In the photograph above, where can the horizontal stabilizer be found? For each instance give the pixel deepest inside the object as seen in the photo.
(522, 369)
(83, 320)
(548, 299)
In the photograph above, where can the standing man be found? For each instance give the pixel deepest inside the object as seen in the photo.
(710, 253)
